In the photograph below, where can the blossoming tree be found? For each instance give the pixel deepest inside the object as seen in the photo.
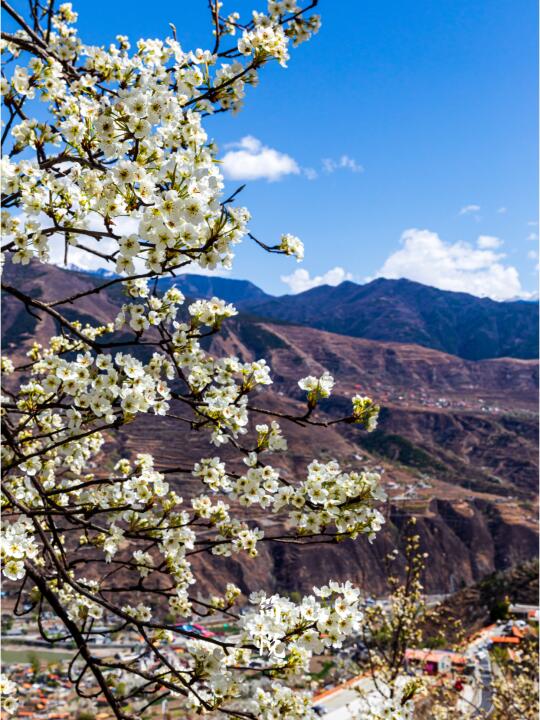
(105, 151)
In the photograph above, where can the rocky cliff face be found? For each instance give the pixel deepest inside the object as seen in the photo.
(484, 602)
(465, 543)
(457, 443)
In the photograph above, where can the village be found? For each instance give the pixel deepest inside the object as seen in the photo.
(40, 669)
(469, 672)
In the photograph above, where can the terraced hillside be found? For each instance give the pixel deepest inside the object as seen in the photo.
(457, 441)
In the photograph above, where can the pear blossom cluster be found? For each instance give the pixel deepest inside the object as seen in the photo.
(17, 543)
(270, 438)
(396, 706)
(107, 154)
(80, 608)
(137, 152)
(101, 386)
(282, 630)
(331, 497)
(365, 411)
(213, 473)
(291, 245)
(8, 695)
(279, 701)
(265, 40)
(317, 387)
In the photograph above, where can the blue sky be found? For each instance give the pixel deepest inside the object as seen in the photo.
(435, 100)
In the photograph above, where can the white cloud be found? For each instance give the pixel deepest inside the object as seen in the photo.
(300, 280)
(251, 160)
(310, 173)
(343, 163)
(533, 255)
(83, 259)
(532, 236)
(488, 242)
(427, 259)
(502, 210)
(469, 209)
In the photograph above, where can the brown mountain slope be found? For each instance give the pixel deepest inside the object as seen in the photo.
(457, 441)
(469, 423)
(487, 601)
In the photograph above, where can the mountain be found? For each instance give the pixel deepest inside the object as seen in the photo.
(404, 311)
(199, 286)
(395, 310)
(457, 440)
(238, 292)
(456, 443)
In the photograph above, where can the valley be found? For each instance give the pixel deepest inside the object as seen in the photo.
(456, 442)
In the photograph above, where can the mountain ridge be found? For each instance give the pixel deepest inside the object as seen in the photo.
(405, 311)
(384, 309)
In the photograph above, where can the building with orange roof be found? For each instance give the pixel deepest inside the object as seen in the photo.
(435, 662)
(518, 632)
(503, 640)
(432, 662)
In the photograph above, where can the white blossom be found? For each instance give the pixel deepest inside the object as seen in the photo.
(317, 388)
(117, 163)
(291, 245)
